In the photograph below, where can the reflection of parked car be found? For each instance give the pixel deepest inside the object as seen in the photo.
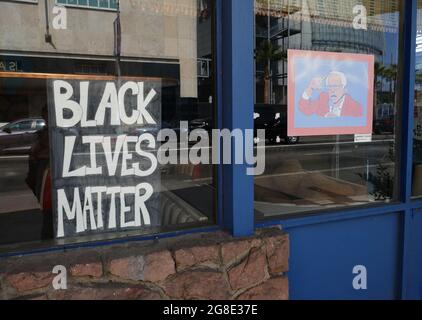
(18, 137)
(273, 118)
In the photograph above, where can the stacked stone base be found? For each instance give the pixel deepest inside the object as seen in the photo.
(204, 266)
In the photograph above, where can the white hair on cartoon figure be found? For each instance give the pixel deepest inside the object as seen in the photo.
(339, 74)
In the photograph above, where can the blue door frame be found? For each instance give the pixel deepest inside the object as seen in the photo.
(387, 239)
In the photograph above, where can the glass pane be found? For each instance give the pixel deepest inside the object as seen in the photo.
(326, 88)
(417, 132)
(97, 94)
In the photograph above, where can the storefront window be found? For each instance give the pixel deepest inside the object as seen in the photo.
(87, 101)
(326, 94)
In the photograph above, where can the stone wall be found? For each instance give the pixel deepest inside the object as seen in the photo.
(204, 266)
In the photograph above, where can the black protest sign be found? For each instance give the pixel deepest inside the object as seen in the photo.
(104, 168)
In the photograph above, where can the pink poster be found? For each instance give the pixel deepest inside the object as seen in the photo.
(330, 93)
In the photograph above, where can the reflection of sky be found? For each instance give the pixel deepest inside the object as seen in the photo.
(308, 68)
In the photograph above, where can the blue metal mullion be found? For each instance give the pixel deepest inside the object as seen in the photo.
(238, 105)
(407, 103)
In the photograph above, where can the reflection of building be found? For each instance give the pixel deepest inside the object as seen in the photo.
(157, 40)
(323, 25)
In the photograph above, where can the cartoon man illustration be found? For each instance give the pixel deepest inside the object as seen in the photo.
(334, 103)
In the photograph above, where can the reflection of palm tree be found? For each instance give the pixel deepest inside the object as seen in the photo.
(389, 73)
(267, 53)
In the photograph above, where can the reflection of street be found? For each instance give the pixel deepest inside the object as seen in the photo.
(15, 195)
